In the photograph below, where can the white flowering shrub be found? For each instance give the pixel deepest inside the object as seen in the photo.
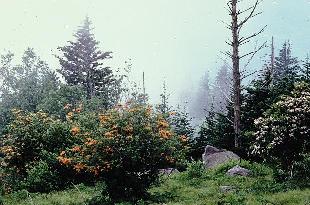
(283, 133)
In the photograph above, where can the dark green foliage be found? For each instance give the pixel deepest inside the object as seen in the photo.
(40, 178)
(286, 66)
(263, 92)
(31, 145)
(82, 64)
(305, 71)
(54, 102)
(216, 130)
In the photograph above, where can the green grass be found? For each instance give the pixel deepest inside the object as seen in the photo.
(260, 188)
(75, 196)
(193, 187)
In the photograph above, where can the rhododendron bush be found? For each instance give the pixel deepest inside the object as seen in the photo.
(283, 133)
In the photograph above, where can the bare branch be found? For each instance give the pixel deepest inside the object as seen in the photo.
(254, 53)
(248, 75)
(252, 13)
(224, 94)
(241, 12)
(229, 43)
(227, 53)
(243, 39)
(228, 26)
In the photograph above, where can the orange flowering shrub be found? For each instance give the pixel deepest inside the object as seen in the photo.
(29, 147)
(126, 146)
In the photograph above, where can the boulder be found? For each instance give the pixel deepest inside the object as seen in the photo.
(213, 156)
(227, 189)
(237, 170)
(168, 171)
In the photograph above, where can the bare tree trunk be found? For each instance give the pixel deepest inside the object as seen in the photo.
(236, 72)
(236, 42)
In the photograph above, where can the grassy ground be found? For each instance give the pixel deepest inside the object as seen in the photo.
(193, 187)
(75, 196)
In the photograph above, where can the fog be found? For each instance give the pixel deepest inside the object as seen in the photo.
(175, 41)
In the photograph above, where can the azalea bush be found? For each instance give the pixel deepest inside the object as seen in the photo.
(125, 146)
(283, 133)
(30, 147)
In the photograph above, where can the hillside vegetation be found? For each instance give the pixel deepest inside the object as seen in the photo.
(195, 186)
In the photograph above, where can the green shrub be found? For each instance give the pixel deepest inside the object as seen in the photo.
(257, 170)
(195, 169)
(125, 146)
(40, 178)
(30, 140)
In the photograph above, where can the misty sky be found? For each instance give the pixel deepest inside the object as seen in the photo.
(172, 40)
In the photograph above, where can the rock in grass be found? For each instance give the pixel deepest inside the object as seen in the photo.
(213, 156)
(237, 170)
(227, 189)
(168, 171)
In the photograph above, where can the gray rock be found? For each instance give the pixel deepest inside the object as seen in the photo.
(226, 189)
(213, 157)
(168, 171)
(237, 170)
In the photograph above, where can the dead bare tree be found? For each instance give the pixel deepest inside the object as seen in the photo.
(235, 43)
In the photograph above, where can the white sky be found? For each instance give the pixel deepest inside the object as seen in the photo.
(172, 40)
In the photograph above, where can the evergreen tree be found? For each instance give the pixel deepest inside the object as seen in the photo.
(217, 130)
(82, 64)
(306, 70)
(286, 66)
(164, 107)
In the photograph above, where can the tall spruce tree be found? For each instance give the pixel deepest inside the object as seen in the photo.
(82, 64)
(285, 71)
(286, 66)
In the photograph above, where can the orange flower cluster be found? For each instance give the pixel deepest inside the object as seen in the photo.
(75, 130)
(170, 159)
(79, 167)
(95, 170)
(165, 134)
(76, 149)
(110, 134)
(183, 138)
(104, 118)
(128, 129)
(64, 160)
(90, 141)
(162, 124)
(7, 149)
(69, 116)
